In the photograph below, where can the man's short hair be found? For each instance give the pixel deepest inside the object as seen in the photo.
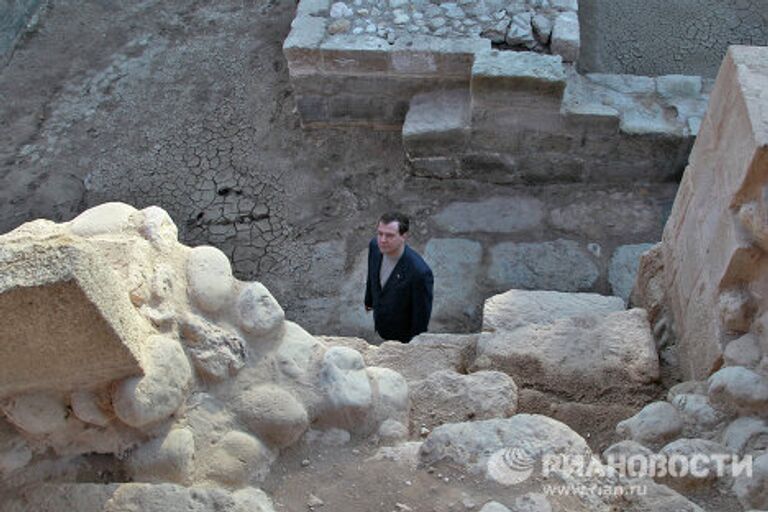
(402, 221)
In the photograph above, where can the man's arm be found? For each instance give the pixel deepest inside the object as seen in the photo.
(421, 302)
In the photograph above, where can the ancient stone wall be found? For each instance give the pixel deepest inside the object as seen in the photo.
(714, 243)
(468, 111)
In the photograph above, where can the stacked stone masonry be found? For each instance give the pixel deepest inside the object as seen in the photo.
(705, 283)
(519, 116)
(714, 244)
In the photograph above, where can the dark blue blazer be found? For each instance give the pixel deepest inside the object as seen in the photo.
(401, 309)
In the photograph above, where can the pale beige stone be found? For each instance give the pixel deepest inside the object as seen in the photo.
(578, 353)
(36, 413)
(272, 412)
(107, 218)
(209, 278)
(166, 459)
(142, 401)
(235, 460)
(713, 253)
(76, 327)
(257, 310)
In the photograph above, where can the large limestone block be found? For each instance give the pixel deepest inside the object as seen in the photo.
(66, 321)
(515, 308)
(712, 240)
(581, 354)
(456, 267)
(558, 265)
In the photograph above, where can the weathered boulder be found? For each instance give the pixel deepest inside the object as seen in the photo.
(744, 351)
(625, 449)
(209, 278)
(449, 397)
(746, 435)
(738, 389)
(623, 269)
(701, 460)
(37, 413)
(167, 458)
(104, 219)
(92, 407)
(257, 310)
(477, 445)
(217, 353)
(234, 461)
(346, 385)
(141, 401)
(272, 412)
(655, 425)
(699, 417)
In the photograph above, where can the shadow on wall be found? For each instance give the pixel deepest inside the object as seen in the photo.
(659, 37)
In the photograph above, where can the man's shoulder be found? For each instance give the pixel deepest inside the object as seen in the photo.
(417, 262)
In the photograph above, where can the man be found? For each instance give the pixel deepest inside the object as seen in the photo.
(399, 284)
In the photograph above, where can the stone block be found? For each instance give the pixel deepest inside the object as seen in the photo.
(66, 323)
(456, 267)
(561, 265)
(493, 215)
(518, 71)
(437, 124)
(624, 264)
(302, 46)
(516, 308)
(566, 38)
(705, 247)
(617, 348)
(592, 117)
(452, 58)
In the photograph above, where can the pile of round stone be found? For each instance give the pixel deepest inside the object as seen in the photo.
(525, 24)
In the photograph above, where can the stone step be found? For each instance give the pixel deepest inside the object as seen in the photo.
(436, 129)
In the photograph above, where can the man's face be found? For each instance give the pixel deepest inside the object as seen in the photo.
(389, 238)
